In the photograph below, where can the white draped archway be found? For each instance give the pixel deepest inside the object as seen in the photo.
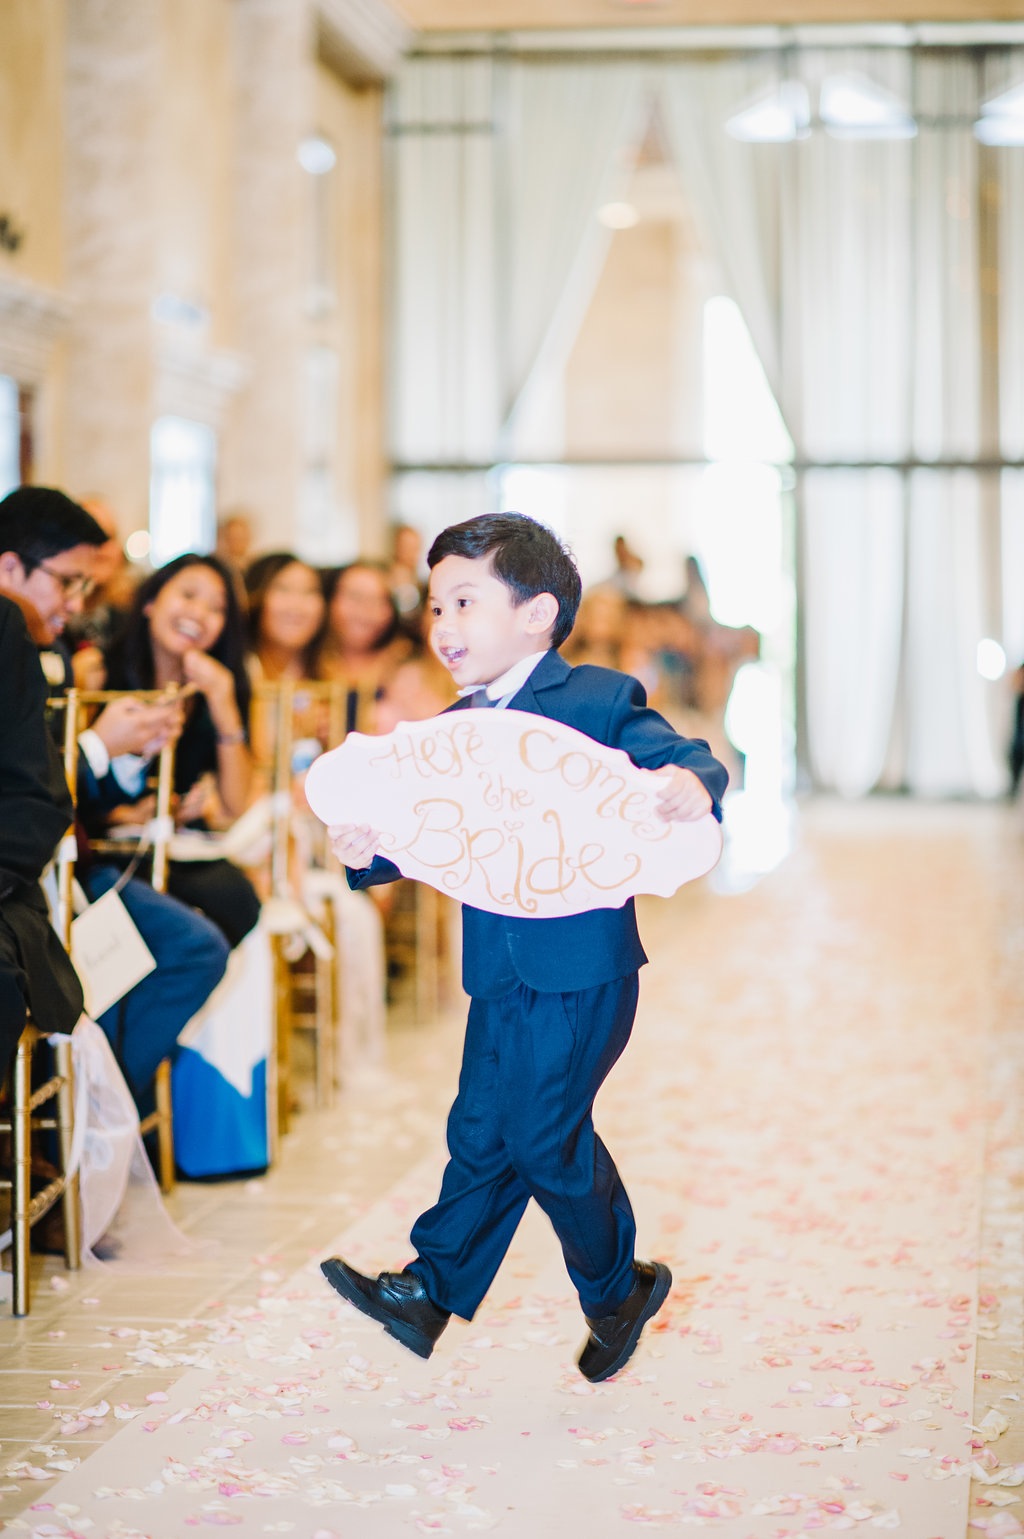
(858, 266)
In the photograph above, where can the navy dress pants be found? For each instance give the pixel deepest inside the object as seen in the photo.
(522, 1127)
(191, 955)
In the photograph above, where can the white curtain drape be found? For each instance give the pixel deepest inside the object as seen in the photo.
(855, 263)
(1004, 71)
(949, 728)
(950, 745)
(569, 138)
(733, 187)
(856, 266)
(499, 170)
(853, 611)
(445, 386)
(848, 258)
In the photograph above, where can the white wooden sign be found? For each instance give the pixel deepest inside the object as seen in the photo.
(512, 813)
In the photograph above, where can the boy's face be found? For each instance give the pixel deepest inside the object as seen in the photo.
(476, 629)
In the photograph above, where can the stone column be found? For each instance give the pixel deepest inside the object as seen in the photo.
(111, 126)
(261, 458)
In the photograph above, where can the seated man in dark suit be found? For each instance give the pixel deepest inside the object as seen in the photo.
(47, 543)
(35, 811)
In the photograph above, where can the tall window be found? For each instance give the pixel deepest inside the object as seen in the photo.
(10, 435)
(743, 540)
(183, 464)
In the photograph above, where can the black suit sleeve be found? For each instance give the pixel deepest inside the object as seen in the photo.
(35, 806)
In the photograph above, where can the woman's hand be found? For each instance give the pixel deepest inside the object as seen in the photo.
(234, 761)
(213, 679)
(196, 802)
(132, 814)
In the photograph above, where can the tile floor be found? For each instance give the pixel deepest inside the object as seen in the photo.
(344, 1168)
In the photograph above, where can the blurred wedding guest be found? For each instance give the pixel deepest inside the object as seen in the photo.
(600, 624)
(233, 547)
(234, 540)
(363, 643)
(93, 632)
(186, 633)
(46, 551)
(629, 565)
(419, 688)
(676, 645)
(1016, 753)
(287, 613)
(35, 812)
(638, 651)
(405, 576)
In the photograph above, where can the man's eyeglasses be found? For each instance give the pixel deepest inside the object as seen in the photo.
(72, 584)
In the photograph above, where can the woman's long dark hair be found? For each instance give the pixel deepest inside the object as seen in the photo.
(259, 574)
(131, 665)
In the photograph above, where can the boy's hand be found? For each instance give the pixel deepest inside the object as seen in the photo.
(684, 798)
(354, 844)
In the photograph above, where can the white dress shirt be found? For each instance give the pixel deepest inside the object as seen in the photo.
(501, 690)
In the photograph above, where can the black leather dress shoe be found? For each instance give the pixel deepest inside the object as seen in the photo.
(613, 1339)
(396, 1300)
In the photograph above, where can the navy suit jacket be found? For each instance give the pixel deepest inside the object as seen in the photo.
(578, 951)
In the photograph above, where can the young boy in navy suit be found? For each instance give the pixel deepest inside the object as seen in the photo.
(552, 1001)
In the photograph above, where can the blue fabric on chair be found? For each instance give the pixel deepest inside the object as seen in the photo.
(218, 1131)
(219, 1078)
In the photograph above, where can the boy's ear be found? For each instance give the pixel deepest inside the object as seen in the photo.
(541, 613)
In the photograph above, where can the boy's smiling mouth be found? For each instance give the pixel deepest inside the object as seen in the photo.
(452, 655)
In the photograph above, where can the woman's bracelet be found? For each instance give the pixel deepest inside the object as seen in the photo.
(228, 739)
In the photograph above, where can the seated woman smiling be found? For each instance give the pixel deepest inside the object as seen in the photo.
(287, 612)
(185, 630)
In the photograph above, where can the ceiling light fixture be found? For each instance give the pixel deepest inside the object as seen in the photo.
(777, 116)
(854, 107)
(991, 659)
(1002, 119)
(316, 156)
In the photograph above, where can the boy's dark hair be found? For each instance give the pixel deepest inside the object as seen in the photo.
(37, 522)
(526, 557)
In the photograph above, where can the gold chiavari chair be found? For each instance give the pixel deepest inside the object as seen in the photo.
(305, 992)
(418, 922)
(316, 1001)
(158, 836)
(23, 1120)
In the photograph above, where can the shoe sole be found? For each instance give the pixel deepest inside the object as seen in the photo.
(659, 1293)
(401, 1333)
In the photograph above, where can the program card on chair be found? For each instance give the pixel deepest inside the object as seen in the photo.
(512, 813)
(109, 954)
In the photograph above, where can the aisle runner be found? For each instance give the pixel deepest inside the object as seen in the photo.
(799, 1120)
